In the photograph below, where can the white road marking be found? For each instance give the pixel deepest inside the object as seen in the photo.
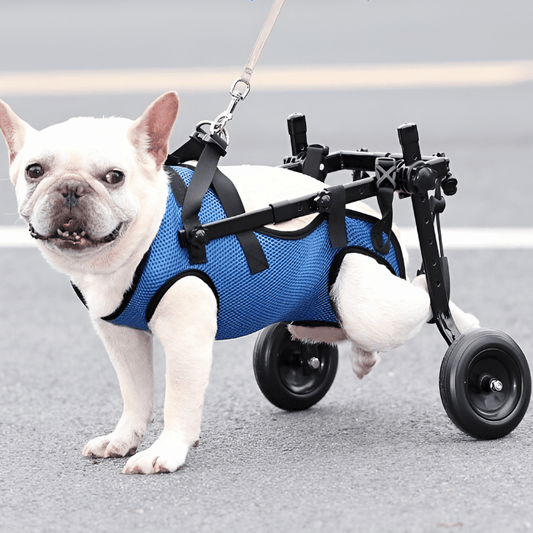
(478, 238)
(454, 238)
(15, 237)
(267, 78)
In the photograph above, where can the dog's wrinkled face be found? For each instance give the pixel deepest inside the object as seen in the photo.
(81, 184)
(72, 192)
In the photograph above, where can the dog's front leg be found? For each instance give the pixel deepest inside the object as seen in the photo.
(185, 321)
(130, 351)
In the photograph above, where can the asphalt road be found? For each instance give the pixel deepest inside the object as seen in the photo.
(378, 455)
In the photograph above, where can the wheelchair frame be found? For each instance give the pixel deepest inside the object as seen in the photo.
(484, 381)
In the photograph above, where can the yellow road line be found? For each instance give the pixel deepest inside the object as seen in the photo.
(267, 78)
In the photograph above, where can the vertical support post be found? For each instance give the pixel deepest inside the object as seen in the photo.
(435, 265)
(298, 133)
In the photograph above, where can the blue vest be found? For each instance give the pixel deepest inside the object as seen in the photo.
(295, 288)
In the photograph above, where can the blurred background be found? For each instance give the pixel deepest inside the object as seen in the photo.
(377, 455)
(484, 125)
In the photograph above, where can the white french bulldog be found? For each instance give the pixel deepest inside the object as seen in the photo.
(94, 191)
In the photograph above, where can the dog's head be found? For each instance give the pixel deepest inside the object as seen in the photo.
(83, 184)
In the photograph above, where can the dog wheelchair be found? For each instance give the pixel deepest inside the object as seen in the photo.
(484, 381)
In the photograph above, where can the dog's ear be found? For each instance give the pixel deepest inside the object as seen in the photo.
(150, 133)
(15, 130)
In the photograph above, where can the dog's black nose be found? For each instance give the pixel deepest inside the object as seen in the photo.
(72, 191)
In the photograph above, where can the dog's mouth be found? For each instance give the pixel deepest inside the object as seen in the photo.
(72, 235)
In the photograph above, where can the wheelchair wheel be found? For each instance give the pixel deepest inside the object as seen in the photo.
(485, 383)
(292, 375)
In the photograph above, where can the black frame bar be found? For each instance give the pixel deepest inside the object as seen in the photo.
(415, 174)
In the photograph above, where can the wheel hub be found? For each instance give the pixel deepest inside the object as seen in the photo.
(493, 386)
(496, 385)
(300, 369)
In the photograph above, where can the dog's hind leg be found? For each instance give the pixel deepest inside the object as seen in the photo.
(130, 351)
(185, 321)
(377, 310)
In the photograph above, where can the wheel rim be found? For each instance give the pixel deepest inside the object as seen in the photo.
(295, 366)
(493, 385)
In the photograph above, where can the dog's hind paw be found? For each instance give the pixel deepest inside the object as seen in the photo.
(164, 456)
(112, 445)
(362, 362)
(464, 321)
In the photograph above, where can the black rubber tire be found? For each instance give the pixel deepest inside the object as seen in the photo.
(471, 364)
(283, 374)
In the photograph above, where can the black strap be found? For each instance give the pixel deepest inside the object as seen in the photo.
(207, 148)
(337, 217)
(232, 204)
(332, 201)
(385, 168)
(127, 295)
(200, 183)
(314, 162)
(190, 151)
(179, 189)
(383, 227)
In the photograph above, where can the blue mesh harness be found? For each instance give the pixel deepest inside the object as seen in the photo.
(294, 288)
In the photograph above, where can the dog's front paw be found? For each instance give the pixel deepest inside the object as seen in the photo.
(166, 454)
(112, 445)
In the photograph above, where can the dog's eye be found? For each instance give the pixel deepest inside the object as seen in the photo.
(34, 171)
(113, 177)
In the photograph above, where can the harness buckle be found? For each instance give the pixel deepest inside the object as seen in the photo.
(214, 140)
(385, 172)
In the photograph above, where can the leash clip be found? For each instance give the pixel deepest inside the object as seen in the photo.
(218, 126)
